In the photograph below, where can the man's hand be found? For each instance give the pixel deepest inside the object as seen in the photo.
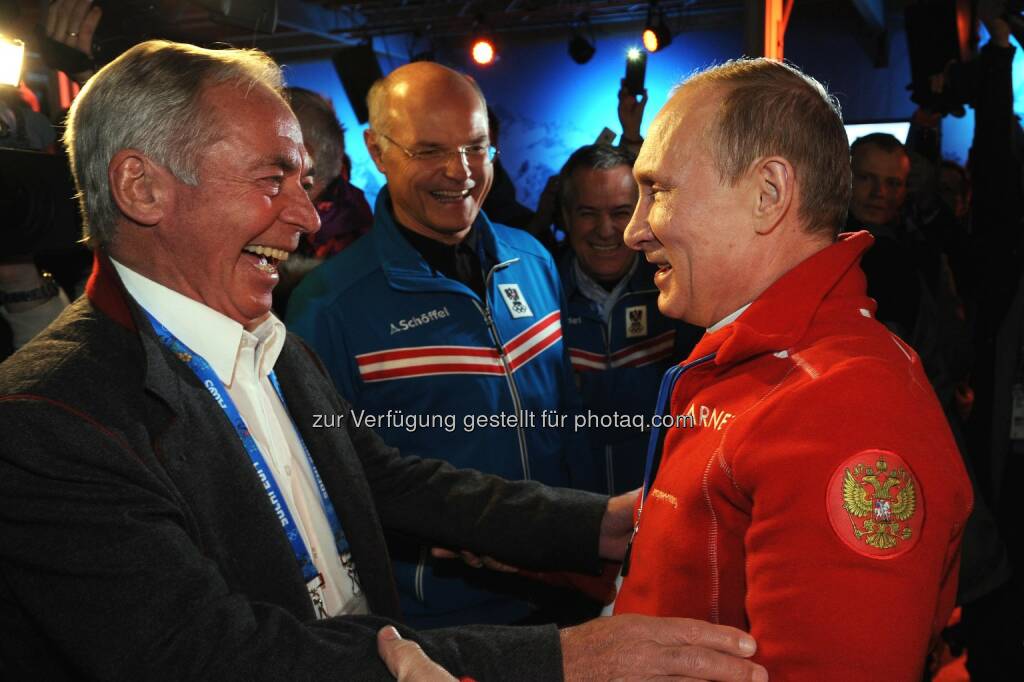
(474, 560)
(73, 23)
(638, 647)
(406, 660)
(617, 526)
(631, 113)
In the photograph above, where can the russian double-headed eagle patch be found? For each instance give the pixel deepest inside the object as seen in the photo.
(875, 504)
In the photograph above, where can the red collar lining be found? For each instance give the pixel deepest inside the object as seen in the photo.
(106, 291)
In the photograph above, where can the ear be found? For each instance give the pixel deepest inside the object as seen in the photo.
(775, 183)
(373, 146)
(141, 188)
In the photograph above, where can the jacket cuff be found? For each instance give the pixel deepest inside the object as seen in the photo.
(499, 653)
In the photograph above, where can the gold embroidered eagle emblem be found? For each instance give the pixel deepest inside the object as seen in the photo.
(880, 503)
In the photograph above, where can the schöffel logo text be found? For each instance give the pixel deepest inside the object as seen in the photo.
(417, 320)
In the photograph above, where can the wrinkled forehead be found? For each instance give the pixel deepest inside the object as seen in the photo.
(682, 129)
(599, 186)
(692, 112)
(231, 106)
(256, 121)
(446, 105)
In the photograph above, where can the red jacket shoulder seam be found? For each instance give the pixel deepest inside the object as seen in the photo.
(727, 467)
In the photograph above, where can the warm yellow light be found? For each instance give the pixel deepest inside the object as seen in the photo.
(483, 52)
(650, 40)
(633, 54)
(12, 53)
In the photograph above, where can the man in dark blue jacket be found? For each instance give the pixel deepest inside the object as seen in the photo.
(619, 343)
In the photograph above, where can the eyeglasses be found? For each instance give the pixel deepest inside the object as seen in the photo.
(474, 154)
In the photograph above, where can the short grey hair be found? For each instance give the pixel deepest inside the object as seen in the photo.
(772, 108)
(376, 102)
(595, 157)
(150, 99)
(321, 131)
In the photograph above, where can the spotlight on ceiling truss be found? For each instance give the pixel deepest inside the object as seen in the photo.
(656, 34)
(582, 44)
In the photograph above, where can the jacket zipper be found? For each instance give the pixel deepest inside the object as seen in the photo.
(421, 567)
(606, 332)
(683, 369)
(485, 310)
(609, 455)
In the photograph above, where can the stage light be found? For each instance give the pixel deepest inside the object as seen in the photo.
(650, 40)
(633, 54)
(12, 54)
(656, 34)
(581, 48)
(483, 51)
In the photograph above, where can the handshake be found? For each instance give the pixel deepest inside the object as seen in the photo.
(615, 648)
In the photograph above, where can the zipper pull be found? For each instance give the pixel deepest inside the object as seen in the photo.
(629, 552)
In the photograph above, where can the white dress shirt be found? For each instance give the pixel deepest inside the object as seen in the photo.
(243, 359)
(728, 319)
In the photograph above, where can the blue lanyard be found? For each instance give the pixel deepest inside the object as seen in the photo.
(654, 443)
(216, 387)
(664, 408)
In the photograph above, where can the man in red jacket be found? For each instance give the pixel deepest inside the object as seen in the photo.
(806, 486)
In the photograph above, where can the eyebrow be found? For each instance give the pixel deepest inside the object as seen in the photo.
(282, 161)
(476, 140)
(614, 208)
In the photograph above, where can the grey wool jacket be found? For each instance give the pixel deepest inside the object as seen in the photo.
(137, 543)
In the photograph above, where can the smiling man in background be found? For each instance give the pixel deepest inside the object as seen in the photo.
(619, 343)
(438, 313)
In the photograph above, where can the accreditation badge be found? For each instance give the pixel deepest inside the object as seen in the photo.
(636, 321)
(514, 299)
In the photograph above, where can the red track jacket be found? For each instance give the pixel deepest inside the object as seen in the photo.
(816, 498)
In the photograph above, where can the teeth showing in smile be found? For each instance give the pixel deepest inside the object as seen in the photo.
(269, 257)
(605, 247)
(450, 195)
(268, 251)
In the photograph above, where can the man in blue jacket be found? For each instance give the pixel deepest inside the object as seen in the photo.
(443, 329)
(619, 343)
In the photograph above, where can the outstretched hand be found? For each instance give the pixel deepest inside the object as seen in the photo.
(642, 647)
(474, 560)
(617, 526)
(406, 660)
